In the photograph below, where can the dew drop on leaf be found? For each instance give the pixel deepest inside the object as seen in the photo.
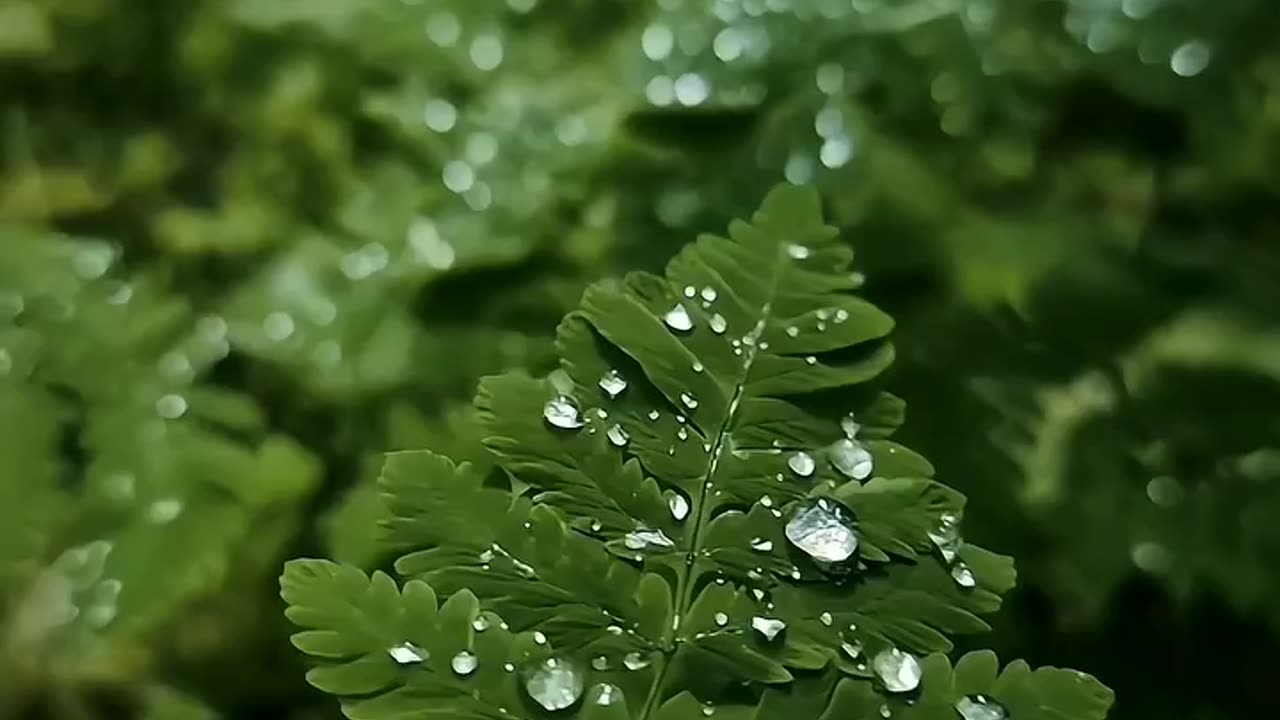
(539, 638)
(480, 624)
(600, 662)
(677, 318)
(654, 414)
(464, 663)
(689, 401)
(618, 435)
(635, 661)
(851, 648)
(826, 619)
(697, 366)
(980, 707)
(690, 291)
(612, 383)
(562, 412)
(605, 694)
(709, 294)
(719, 324)
(898, 670)
(947, 536)
(793, 331)
(761, 545)
(797, 252)
(645, 538)
(851, 459)
(768, 628)
(963, 576)
(801, 464)
(885, 712)
(721, 619)
(708, 710)
(824, 530)
(407, 653)
(850, 426)
(554, 684)
(678, 504)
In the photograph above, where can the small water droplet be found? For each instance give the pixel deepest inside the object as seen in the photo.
(1190, 58)
(165, 511)
(885, 712)
(464, 663)
(644, 538)
(768, 628)
(654, 415)
(980, 707)
(852, 648)
(947, 536)
(823, 530)
(719, 324)
(708, 710)
(898, 670)
(721, 619)
(849, 426)
(612, 383)
(539, 638)
(762, 544)
(553, 683)
(407, 653)
(171, 406)
(963, 576)
(683, 434)
(635, 661)
(793, 331)
(562, 412)
(766, 501)
(826, 619)
(689, 401)
(677, 318)
(851, 459)
(797, 252)
(605, 694)
(691, 89)
(801, 464)
(618, 435)
(600, 662)
(697, 366)
(480, 624)
(709, 294)
(278, 325)
(678, 504)
(811, 360)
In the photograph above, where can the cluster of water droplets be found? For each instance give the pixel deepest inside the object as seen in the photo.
(946, 536)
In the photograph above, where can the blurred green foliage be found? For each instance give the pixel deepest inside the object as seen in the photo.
(249, 245)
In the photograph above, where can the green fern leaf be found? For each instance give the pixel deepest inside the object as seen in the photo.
(686, 514)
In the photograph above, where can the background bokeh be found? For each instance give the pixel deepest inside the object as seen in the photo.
(248, 245)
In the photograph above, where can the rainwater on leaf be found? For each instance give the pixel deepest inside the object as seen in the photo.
(851, 459)
(554, 684)
(899, 671)
(562, 412)
(768, 628)
(801, 464)
(980, 707)
(823, 529)
(407, 653)
(677, 318)
(612, 383)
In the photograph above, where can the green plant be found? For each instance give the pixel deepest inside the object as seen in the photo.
(700, 514)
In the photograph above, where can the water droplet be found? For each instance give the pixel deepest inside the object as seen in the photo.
(849, 426)
(562, 412)
(690, 291)
(689, 401)
(458, 176)
(708, 710)
(464, 663)
(1190, 58)
(836, 152)
(762, 544)
(709, 294)
(678, 504)
(163, 512)
(797, 252)
(721, 619)
(898, 670)
(885, 712)
(980, 707)
(654, 414)
(811, 360)
(801, 464)
(697, 366)
(826, 619)
(768, 628)
(728, 45)
(171, 406)
(851, 459)
(682, 434)
(852, 648)
(605, 694)
(644, 538)
(657, 41)
(718, 324)
(947, 536)
(539, 638)
(600, 662)
(677, 318)
(554, 684)
(766, 501)
(963, 576)
(443, 28)
(660, 90)
(407, 653)
(480, 624)
(635, 661)
(278, 325)
(618, 435)
(691, 89)
(823, 530)
(486, 51)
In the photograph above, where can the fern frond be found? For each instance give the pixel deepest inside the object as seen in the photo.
(704, 498)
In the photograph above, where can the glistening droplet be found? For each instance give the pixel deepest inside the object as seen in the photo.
(407, 653)
(612, 383)
(898, 670)
(677, 318)
(562, 412)
(947, 536)
(553, 683)
(767, 628)
(719, 324)
(801, 464)
(464, 663)
(678, 504)
(824, 530)
(980, 707)
(963, 576)
(645, 538)
(851, 459)
(618, 435)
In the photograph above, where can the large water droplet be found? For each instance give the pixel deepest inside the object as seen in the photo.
(719, 324)
(801, 464)
(657, 41)
(980, 707)
(618, 435)
(678, 504)
(562, 412)
(635, 661)
(851, 459)
(768, 628)
(645, 538)
(612, 383)
(824, 530)
(464, 663)
(899, 671)
(554, 684)
(963, 576)
(677, 318)
(407, 653)
(947, 536)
